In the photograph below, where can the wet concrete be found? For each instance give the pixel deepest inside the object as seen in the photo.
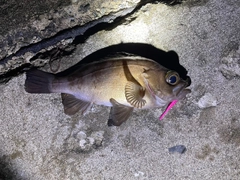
(38, 141)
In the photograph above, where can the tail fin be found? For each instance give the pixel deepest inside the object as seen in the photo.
(38, 81)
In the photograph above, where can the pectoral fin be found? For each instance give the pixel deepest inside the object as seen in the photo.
(119, 113)
(72, 105)
(134, 94)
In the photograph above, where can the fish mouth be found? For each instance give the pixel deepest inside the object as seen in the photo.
(180, 91)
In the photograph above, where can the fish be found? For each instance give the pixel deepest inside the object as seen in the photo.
(124, 83)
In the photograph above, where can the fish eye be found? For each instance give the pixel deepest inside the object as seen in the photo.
(172, 77)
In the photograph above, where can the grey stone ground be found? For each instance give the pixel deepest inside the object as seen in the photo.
(38, 141)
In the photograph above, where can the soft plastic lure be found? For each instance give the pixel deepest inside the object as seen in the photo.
(171, 104)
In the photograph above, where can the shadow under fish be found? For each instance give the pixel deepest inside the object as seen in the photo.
(123, 76)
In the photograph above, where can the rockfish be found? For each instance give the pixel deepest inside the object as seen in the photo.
(123, 83)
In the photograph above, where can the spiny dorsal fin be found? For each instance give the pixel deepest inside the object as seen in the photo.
(119, 113)
(134, 94)
(72, 105)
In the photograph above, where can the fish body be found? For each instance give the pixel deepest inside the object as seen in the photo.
(99, 82)
(123, 83)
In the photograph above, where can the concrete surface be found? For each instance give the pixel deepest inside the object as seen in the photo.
(28, 28)
(38, 141)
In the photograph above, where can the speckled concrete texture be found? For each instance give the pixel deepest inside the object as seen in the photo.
(38, 141)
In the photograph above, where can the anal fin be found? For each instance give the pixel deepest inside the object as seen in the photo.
(72, 105)
(119, 113)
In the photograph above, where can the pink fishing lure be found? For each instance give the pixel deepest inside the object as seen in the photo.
(171, 104)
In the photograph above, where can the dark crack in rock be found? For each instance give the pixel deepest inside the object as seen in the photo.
(47, 31)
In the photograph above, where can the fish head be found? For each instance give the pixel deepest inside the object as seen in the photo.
(165, 85)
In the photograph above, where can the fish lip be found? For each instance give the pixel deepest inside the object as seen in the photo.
(182, 89)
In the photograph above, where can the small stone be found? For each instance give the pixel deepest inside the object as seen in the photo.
(82, 142)
(85, 145)
(74, 1)
(81, 135)
(139, 173)
(91, 141)
(208, 100)
(179, 149)
(98, 137)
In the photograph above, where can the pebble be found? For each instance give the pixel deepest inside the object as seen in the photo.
(179, 149)
(88, 143)
(81, 135)
(208, 100)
